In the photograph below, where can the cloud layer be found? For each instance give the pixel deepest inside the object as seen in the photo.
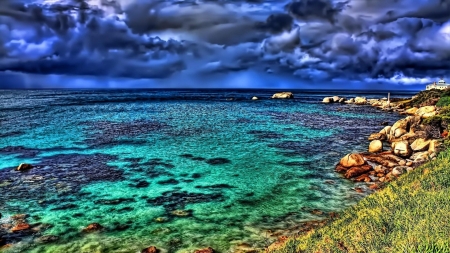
(311, 40)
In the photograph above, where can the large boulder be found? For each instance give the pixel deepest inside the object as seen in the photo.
(350, 101)
(360, 100)
(412, 111)
(327, 100)
(402, 148)
(399, 132)
(375, 146)
(429, 115)
(342, 100)
(386, 130)
(377, 136)
(420, 144)
(336, 99)
(400, 124)
(24, 167)
(357, 171)
(425, 110)
(255, 98)
(283, 95)
(352, 160)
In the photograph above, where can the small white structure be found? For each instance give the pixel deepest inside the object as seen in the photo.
(441, 85)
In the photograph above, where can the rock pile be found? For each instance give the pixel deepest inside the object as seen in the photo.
(409, 148)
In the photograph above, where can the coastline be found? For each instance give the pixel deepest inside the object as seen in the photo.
(313, 223)
(410, 146)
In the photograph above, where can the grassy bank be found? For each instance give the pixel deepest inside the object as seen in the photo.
(410, 214)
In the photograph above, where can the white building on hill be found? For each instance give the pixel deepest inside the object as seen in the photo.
(441, 85)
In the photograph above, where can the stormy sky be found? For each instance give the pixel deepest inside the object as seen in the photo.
(223, 43)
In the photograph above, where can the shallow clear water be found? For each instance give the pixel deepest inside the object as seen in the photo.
(245, 171)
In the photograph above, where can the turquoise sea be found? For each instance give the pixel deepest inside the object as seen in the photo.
(178, 169)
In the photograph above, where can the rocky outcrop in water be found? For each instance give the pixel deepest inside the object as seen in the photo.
(17, 228)
(283, 95)
(24, 167)
(334, 99)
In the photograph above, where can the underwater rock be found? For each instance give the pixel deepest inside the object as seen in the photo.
(161, 219)
(19, 218)
(122, 227)
(20, 227)
(64, 207)
(181, 213)
(72, 171)
(92, 228)
(47, 239)
(113, 201)
(283, 95)
(24, 167)
(107, 133)
(215, 186)
(142, 184)
(196, 175)
(168, 182)
(218, 161)
(205, 250)
(151, 249)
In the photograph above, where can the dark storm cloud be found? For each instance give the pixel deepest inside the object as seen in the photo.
(311, 10)
(398, 41)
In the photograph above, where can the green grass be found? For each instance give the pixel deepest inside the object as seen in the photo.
(428, 97)
(411, 214)
(444, 101)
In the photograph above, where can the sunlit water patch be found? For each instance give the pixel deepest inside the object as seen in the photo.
(177, 173)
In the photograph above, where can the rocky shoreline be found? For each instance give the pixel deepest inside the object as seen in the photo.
(395, 149)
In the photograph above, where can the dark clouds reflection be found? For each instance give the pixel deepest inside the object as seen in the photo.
(402, 41)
